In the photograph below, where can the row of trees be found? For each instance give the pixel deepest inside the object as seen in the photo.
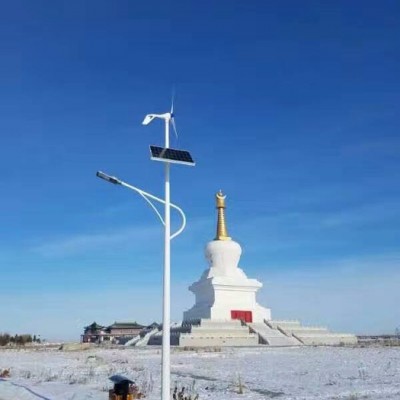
(21, 340)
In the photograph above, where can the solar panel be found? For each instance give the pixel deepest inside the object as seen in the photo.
(171, 155)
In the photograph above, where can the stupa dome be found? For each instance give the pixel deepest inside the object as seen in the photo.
(223, 254)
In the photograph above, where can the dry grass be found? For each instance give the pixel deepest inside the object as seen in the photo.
(184, 393)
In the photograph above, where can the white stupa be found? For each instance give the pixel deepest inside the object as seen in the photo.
(226, 312)
(224, 292)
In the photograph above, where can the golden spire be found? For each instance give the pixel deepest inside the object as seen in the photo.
(222, 233)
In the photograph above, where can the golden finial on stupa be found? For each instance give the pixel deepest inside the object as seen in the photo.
(222, 233)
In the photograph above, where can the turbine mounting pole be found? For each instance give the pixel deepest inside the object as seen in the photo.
(166, 344)
(167, 156)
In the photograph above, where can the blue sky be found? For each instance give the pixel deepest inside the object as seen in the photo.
(292, 109)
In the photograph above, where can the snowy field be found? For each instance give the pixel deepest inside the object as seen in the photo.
(261, 373)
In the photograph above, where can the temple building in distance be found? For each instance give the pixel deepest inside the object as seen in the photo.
(226, 311)
(118, 332)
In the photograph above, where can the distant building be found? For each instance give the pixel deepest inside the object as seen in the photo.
(94, 333)
(118, 332)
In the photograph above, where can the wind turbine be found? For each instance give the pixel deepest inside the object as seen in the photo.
(168, 117)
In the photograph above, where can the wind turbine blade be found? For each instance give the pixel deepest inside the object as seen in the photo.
(174, 126)
(172, 101)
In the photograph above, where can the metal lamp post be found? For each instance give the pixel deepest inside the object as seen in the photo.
(168, 156)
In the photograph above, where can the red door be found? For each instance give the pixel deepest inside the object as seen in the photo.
(246, 316)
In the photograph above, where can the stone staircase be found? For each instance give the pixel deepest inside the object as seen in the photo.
(133, 341)
(155, 339)
(206, 332)
(143, 341)
(272, 336)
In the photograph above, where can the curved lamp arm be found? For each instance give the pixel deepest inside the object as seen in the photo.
(148, 197)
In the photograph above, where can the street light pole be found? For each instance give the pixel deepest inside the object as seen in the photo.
(166, 345)
(167, 156)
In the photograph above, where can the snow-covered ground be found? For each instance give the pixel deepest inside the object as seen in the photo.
(280, 373)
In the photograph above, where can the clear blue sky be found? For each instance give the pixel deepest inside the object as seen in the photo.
(292, 108)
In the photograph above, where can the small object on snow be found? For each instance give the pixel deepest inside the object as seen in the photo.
(119, 379)
(5, 373)
(124, 389)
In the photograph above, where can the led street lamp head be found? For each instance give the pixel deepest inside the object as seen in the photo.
(108, 178)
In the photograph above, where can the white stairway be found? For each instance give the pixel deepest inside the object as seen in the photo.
(143, 341)
(206, 332)
(155, 338)
(272, 336)
(133, 341)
